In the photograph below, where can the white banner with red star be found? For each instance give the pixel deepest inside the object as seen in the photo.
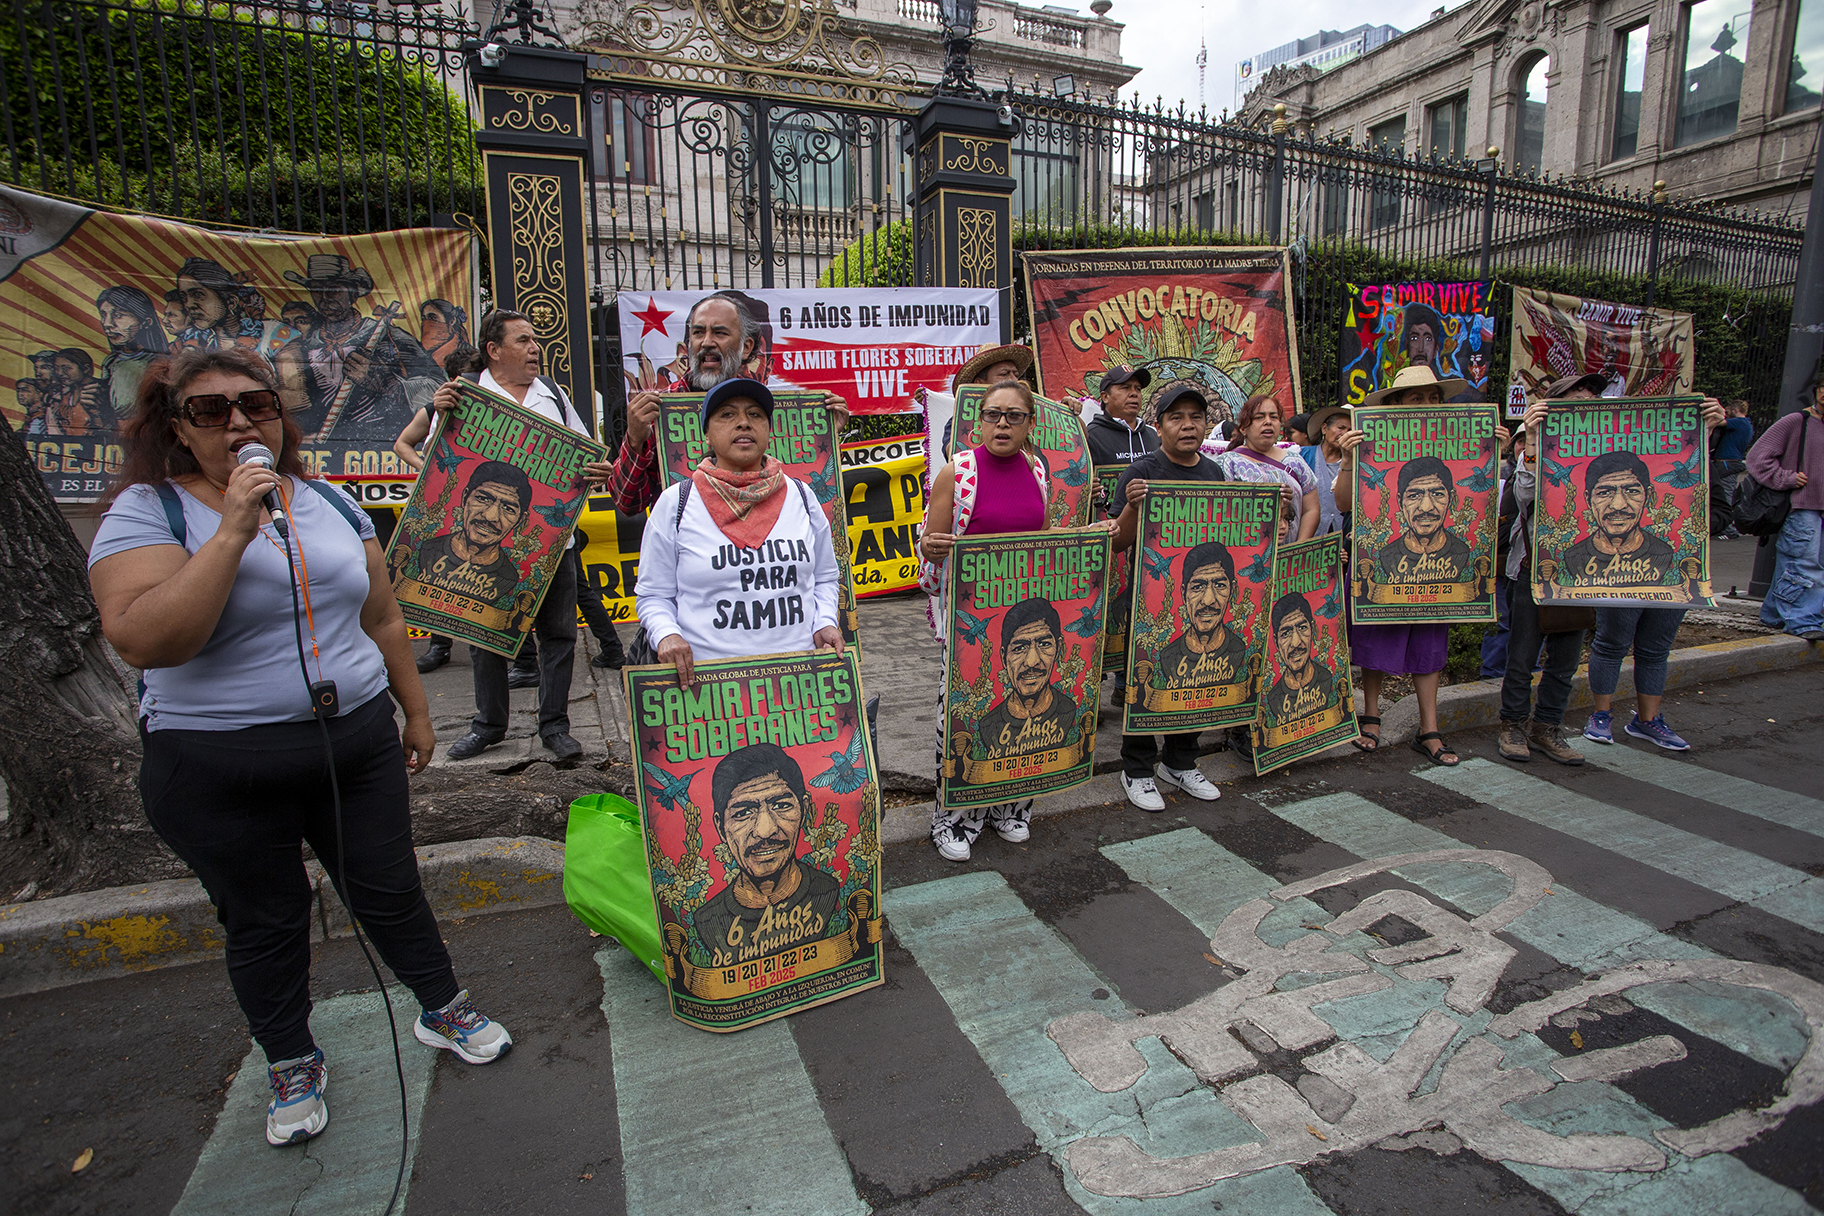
(873, 346)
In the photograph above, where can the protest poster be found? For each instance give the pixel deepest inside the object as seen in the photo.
(803, 440)
(1057, 434)
(355, 326)
(1623, 508)
(1120, 594)
(761, 814)
(1199, 605)
(1309, 704)
(1448, 327)
(872, 346)
(1221, 317)
(883, 494)
(1023, 637)
(609, 544)
(1424, 527)
(492, 510)
(1641, 352)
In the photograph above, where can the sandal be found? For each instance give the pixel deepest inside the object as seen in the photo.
(1437, 757)
(1368, 743)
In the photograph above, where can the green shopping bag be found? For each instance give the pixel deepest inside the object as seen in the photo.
(605, 880)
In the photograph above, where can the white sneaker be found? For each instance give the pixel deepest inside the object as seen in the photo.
(952, 847)
(1191, 781)
(1143, 793)
(1014, 831)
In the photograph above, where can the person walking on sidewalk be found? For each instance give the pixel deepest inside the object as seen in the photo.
(1179, 410)
(1790, 456)
(508, 363)
(1526, 724)
(198, 589)
(1649, 633)
(1728, 458)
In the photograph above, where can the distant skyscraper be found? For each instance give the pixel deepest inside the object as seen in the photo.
(1323, 50)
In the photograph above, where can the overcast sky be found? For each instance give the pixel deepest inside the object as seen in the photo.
(1162, 36)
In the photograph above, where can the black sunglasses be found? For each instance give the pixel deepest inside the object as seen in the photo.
(211, 409)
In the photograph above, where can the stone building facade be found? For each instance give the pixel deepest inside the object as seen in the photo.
(1718, 98)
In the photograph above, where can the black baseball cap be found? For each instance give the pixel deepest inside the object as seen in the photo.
(1123, 373)
(739, 387)
(1299, 422)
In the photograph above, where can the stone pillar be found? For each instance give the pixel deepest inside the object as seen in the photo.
(535, 158)
(962, 228)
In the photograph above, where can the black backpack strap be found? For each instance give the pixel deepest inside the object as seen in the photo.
(685, 487)
(557, 393)
(337, 499)
(174, 510)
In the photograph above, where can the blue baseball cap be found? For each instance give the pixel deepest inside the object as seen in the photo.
(728, 390)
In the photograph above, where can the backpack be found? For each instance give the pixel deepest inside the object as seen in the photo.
(174, 507)
(1761, 510)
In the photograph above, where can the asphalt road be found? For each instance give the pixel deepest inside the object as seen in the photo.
(1431, 1079)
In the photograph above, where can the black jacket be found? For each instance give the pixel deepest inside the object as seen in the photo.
(1112, 443)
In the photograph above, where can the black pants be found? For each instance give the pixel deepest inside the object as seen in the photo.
(1139, 751)
(236, 805)
(595, 613)
(555, 627)
(1562, 652)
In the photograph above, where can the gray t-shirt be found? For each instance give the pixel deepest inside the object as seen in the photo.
(247, 672)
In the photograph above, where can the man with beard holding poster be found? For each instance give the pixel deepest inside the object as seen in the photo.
(1425, 550)
(1303, 688)
(721, 336)
(1619, 550)
(1036, 713)
(775, 901)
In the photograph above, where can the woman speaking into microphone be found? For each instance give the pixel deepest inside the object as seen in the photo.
(198, 589)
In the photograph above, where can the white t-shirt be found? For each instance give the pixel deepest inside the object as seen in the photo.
(541, 402)
(729, 602)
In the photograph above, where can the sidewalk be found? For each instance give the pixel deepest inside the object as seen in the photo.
(598, 715)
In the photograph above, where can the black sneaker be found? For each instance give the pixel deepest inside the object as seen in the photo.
(522, 677)
(470, 746)
(432, 659)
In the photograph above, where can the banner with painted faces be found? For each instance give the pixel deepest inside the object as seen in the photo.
(1057, 435)
(1447, 327)
(1642, 352)
(1199, 605)
(1221, 317)
(1308, 705)
(1426, 479)
(489, 516)
(1623, 509)
(1023, 637)
(803, 440)
(760, 807)
(875, 347)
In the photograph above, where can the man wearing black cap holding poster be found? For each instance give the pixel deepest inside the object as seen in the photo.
(1117, 435)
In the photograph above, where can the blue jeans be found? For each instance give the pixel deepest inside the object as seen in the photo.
(1562, 651)
(1495, 641)
(1648, 632)
(1795, 601)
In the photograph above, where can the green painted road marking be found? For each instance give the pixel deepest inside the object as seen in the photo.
(1006, 975)
(1740, 875)
(715, 1122)
(349, 1167)
(1684, 777)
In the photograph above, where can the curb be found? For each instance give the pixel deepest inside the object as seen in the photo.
(53, 943)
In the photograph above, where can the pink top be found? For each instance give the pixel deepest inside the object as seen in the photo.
(1007, 496)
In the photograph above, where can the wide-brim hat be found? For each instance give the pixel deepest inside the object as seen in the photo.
(971, 372)
(1314, 427)
(1170, 391)
(1416, 376)
(738, 387)
(1562, 387)
(332, 270)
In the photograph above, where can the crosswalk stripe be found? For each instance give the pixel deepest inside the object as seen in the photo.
(1738, 794)
(1716, 1183)
(1567, 926)
(351, 1165)
(1740, 875)
(715, 1122)
(1006, 975)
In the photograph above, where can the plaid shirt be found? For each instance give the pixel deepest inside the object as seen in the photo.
(633, 481)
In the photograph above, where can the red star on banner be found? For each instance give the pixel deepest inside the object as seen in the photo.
(652, 321)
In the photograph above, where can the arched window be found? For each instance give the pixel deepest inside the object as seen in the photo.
(1529, 122)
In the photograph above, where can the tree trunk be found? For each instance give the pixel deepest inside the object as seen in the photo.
(69, 747)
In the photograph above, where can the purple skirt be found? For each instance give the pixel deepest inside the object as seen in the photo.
(1399, 649)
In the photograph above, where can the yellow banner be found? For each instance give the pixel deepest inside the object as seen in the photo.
(757, 975)
(1420, 593)
(884, 482)
(1302, 728)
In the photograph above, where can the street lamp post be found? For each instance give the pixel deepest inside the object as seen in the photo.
(958, 20)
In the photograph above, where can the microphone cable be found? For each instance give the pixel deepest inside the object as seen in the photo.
(335, 795)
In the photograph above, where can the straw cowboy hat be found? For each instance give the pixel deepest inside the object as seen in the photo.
(971, 372)
(1314, 427)
(332, 270)
(1416, 377)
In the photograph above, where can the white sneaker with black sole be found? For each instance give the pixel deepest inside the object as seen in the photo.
(1191, 781)
(1143, 793)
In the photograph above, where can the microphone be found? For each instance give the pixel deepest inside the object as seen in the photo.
(261, 455)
